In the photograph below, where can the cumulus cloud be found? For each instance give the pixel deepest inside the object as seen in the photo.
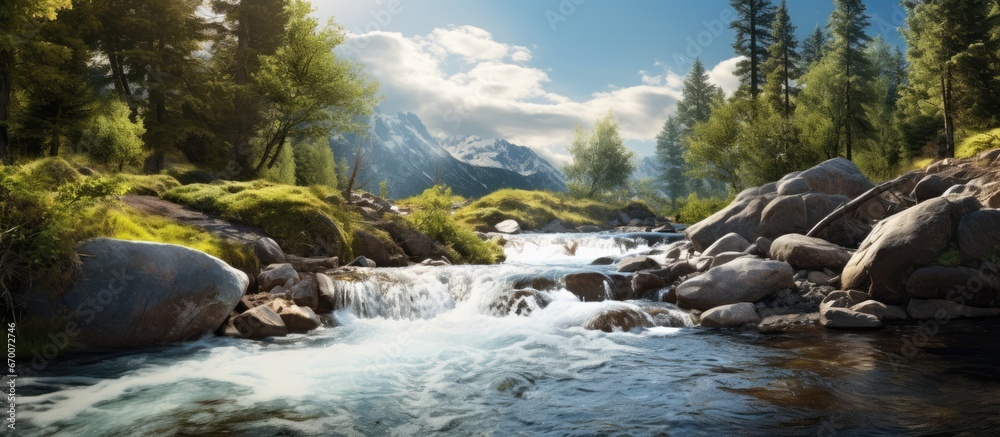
(461, 81)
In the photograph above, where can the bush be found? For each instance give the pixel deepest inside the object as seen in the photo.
(314, 164)
(305, 221)
(113, 137)
(432, 216)
(696, 209)
(974, 144)
(532, 210)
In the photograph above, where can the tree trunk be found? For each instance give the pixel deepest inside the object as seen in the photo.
(849, 139)
(788, 86)
(753, 53)
(6, 81)
(949, 121)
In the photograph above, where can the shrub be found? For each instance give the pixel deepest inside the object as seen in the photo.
(696, 209)
(433, 217)
(974, 144)
(113, 137)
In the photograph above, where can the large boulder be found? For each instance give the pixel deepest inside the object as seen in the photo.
(729, 243)
(296, 318)
(806, 198)
(917, 236)
(809, 253)
(959, 284)
(132, 294)
(979, 235)
(742, 280)
(729, 316)
(590, 286)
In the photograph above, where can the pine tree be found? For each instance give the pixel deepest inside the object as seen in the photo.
(848, 24)
(670, 155)
(782, 66)
(814, 47)
(699, 96)
(18, 20)
(951, 47)
(753, 36)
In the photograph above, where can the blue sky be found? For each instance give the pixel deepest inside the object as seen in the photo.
(529, 70)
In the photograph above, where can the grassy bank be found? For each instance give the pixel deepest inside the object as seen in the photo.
(47, 206)
(532, 209)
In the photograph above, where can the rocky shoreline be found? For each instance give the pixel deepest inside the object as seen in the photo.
(824, 247)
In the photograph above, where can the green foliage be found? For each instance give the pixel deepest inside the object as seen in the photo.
(696, 209)
(383, 189)
(283, 171)
(149, 185)
(304, 221)
(852, 72)
(314, 163)
(782, 66)
(976, 143)
(112, 137)
(814, 47)
(532, 210)
(713, 152)
(433, 217)
(699, 97)
(670, 155)
(309, 91)
(601, 162)
(949, 258)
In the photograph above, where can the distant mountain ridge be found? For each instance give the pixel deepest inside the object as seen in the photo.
(400, 151)
(500, 153)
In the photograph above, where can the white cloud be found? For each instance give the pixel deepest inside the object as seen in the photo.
(461, 81)
(722, 75)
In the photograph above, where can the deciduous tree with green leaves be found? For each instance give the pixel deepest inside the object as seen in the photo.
(601, 162)
(308, 90)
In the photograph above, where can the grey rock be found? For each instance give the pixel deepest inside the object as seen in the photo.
(729, 243)
(132, 294)
(843, 318)
(804, 252)
(260, 322)
(277, 275)
(268, 251)
(508, 227)
(742, 280)
(729, 316)
(590, 286)
(637, 263)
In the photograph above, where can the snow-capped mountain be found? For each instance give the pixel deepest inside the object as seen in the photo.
(500, 153)
(399, 150)
(647, 168)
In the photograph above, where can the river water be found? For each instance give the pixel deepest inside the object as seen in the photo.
(420, 351)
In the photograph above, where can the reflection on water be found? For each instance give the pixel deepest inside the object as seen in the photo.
(448, 365)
